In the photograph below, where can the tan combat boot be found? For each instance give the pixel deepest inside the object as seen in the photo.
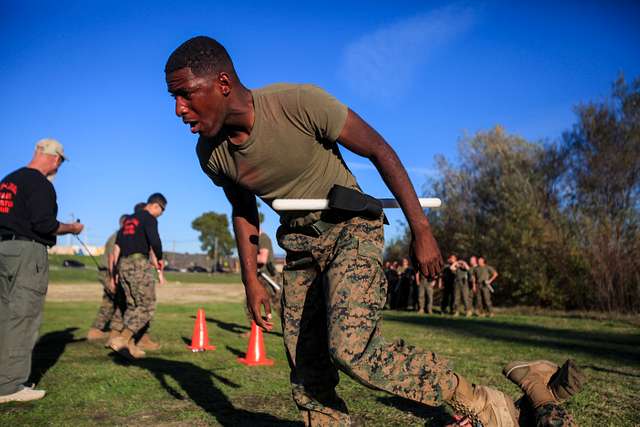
(112, 334)
(533, 377)
(543, 382)
(95, 334)
(481, 404)
(125, 345)
(146, 344)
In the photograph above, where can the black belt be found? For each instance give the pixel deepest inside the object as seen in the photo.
(5, 237)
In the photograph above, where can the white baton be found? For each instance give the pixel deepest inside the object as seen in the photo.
(323, 204)
(273, 284)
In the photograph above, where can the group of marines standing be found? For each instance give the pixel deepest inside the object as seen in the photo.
(462, 284)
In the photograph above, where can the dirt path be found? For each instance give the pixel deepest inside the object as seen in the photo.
(173, 293)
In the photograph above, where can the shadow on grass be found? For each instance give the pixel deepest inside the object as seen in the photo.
(236, 352)
(614, 346)
(200, 387)
(48, 350)
(610, 371)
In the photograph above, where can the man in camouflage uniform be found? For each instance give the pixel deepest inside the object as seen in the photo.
(461, 287)
(137, 240)
(280, 142)
(111, 306)
(426, 287)
(484, 276)
(447, 284)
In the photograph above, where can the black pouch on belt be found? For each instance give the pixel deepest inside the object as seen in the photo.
(352, 202)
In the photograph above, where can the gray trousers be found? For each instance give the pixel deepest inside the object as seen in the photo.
(24, 277)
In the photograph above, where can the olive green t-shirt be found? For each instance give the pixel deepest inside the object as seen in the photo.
(108, 247)
(483, 273)
(291, 152)
(264, 242)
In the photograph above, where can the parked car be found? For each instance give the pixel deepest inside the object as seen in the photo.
(197, 269)
(168, 268)
(72, 263)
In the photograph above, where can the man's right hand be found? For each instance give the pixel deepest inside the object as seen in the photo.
(257, 297)
(76, 227)
(111, 286)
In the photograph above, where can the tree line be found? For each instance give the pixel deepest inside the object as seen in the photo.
(560, 220)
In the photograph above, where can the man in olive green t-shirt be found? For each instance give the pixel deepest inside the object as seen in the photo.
(281, 141)
(484, 276)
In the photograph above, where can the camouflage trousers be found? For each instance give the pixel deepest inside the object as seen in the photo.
(553, 416)
(139, 286)
(334, 293)
(549, 415)
(111, 307)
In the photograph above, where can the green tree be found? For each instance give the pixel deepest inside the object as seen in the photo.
(602, 180)
(215, 236)
(496, 203)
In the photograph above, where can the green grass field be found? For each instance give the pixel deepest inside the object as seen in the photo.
(60, 274)
(88, 385)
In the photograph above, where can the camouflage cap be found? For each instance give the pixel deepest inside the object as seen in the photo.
(51, 146)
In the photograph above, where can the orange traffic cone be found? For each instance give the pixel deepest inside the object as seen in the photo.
(256, 355)
(200, 339)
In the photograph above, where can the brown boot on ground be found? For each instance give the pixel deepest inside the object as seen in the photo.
(95, 334)
(468, 313)
(112, 334)
(146, 344)
(126, 346)
(533, 377)
(481, 404)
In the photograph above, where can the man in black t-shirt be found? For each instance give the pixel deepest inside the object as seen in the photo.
(28, 224)
(136, 238)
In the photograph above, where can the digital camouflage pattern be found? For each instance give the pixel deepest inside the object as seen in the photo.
(139, 285)
(549, 415)
(334, 293)
(552, 415)
(111, 307)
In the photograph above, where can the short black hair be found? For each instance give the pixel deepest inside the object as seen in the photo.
(157, 198)
(139, 206)
(202, 54)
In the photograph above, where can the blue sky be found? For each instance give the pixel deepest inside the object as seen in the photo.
(422, 73)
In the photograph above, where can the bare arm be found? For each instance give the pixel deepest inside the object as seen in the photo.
(495, 275)
(158, 265)
(245, 226)
(112, 261)
(362, 139)
(73, 228)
